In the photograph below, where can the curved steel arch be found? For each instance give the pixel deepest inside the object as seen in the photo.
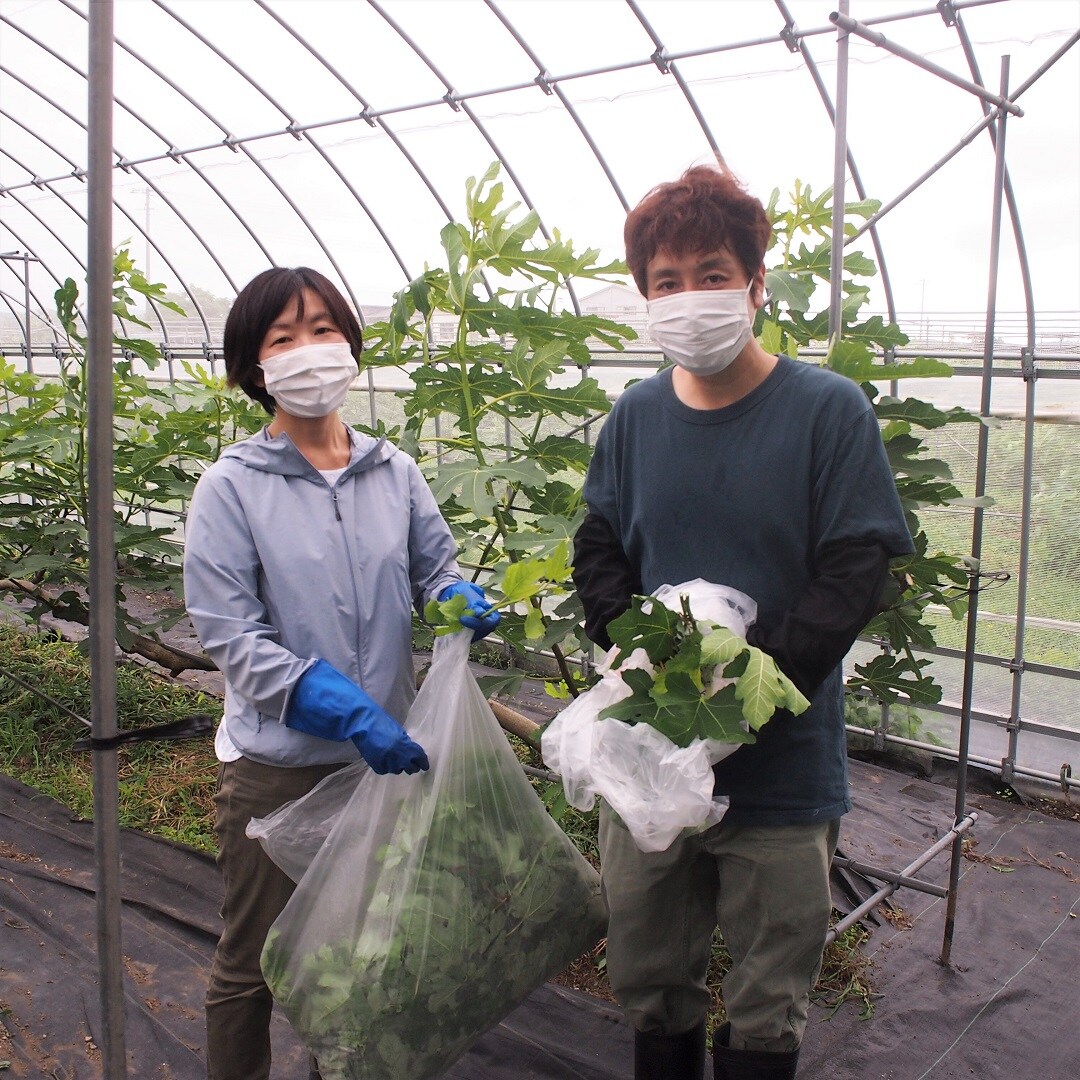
(42, 309)
(372, 120)
(154, 306)
(9, 301)
(366, 114)
(668, 66)
(41, 139)
(1010, 197)
(44, 186)
(128, 166)
(457, 103)
(176, 155)
(543, 81)
(308, 137)
(76, 171)
(242, 147)
(375, 119)
(176, 273)
(85, 75)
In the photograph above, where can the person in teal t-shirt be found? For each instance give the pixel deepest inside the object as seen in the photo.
(767, 475)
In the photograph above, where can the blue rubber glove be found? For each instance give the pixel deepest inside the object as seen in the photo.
(328, 705)
(479, 616)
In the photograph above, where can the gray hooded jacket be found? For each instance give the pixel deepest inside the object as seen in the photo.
(281, 570)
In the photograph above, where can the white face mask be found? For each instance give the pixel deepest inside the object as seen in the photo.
(701, 330)
(311, 380)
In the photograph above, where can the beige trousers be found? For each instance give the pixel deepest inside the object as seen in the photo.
(238, 1001)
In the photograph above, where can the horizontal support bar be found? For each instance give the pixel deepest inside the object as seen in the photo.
(899, 880)
(853, 26)
(886, 891)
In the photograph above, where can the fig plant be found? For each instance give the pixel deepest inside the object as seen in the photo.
(491, 416)
(795, 316)
(163, 432)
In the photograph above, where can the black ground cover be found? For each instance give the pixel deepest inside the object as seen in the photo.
(1005, 1006)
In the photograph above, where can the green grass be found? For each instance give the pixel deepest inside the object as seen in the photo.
(166, 788)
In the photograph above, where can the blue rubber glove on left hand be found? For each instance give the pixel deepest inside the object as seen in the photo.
(480, 617)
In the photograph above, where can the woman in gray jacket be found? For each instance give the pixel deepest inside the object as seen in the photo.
(307, 546)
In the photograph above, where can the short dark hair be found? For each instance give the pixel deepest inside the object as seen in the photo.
(704, 210)
(259, 303)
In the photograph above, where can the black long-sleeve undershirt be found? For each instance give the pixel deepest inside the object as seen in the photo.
(815, 634)
(603, 576)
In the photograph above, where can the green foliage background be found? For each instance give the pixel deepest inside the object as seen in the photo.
(164, 433)
(497, 422)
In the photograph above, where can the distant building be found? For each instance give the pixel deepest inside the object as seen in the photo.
(619, 303)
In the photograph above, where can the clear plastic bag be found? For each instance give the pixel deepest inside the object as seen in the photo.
(436, 903)
(294, 834)
(658, 789)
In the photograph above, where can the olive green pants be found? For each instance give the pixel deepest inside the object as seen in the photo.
(238, 1001)
(766, 887)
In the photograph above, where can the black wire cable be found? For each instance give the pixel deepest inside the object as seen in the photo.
(188, 727)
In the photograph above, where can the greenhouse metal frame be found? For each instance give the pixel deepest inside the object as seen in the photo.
(43, 256)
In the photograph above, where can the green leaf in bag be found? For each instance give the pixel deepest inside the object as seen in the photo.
(459, 921)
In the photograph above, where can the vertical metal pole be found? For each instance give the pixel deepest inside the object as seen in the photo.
(977, 524)
(26, 259)
(372, 410)
(1030, 372)
(26, 312)
(1016, 666)
(836, 261)
(99, 375)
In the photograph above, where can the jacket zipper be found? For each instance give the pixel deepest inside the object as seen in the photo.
(333, 496)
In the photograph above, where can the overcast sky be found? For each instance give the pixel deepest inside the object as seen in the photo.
(758, 101)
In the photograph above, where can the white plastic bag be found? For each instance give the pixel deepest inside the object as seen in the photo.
(658, 789)
(720, 605)
(437, 902)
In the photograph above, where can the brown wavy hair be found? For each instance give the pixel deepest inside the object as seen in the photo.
(704, 210)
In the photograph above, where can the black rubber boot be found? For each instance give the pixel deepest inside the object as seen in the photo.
(731, 1064)
(670, 1057)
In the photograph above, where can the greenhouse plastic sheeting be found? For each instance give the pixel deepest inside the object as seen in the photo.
(1014, 956)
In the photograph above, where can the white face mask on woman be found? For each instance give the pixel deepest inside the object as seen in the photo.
(312, 380)
(701, 330)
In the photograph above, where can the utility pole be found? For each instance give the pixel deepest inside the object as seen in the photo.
(26, 259)
(146, 232)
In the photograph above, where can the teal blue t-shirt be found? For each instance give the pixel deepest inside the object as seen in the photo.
(745, 496)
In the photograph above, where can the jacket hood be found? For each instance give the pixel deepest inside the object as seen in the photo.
(278, 454)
